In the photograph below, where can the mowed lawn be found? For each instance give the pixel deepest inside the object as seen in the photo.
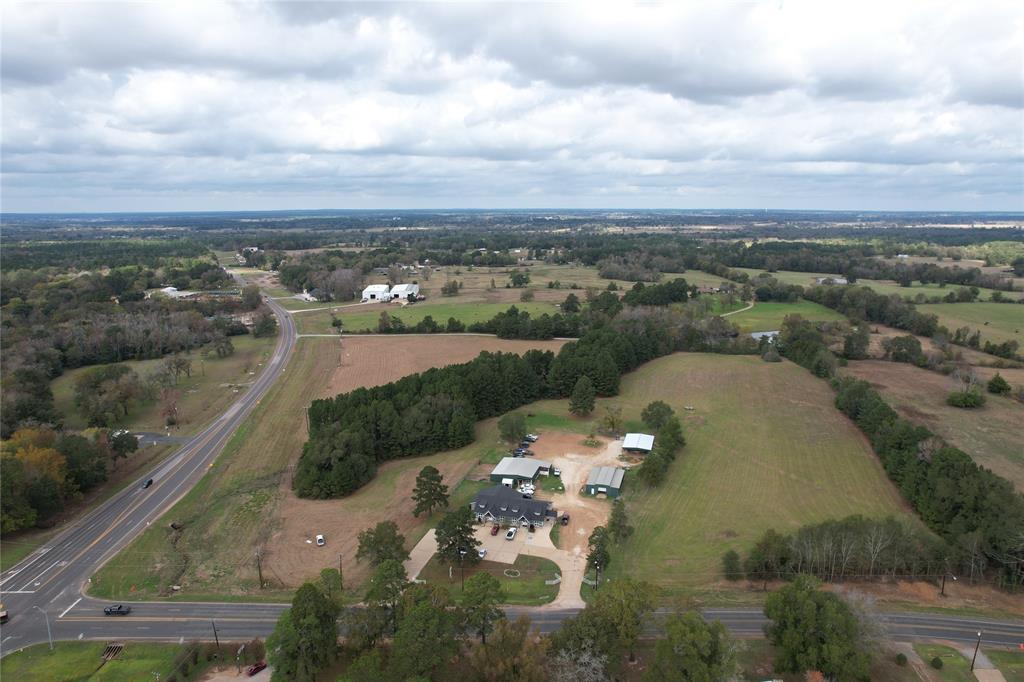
(79, 661)
(997, 322)
(766, 448)
(204, 395)
(765, 317)
(364, 318)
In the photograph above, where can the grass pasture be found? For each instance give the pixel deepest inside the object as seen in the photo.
(769, 316)
(990, 434)
(766, 448)
(997, 322)
(364, 318)
(204, 395)
(526, 589)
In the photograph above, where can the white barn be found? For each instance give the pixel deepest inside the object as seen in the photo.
(638, 442)
(376, 292)
(402, 291)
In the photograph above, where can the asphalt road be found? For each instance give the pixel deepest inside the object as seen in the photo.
(53, 577)
(48, 585)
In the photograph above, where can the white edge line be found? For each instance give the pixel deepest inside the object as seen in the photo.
(65, 611)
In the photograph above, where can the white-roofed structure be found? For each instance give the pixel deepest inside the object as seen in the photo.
(638, 442)
(519, 470)
(377, 292)
(403, 291)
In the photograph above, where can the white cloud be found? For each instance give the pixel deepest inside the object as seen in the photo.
(205, 105)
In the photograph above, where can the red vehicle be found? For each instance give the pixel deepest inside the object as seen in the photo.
(494, 529)
(255, 668)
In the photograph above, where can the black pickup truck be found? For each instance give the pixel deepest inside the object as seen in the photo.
(117, 610)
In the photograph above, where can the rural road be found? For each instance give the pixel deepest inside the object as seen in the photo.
(51, 579)
(48, 585)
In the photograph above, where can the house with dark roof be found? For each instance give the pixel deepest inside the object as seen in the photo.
(500, 504)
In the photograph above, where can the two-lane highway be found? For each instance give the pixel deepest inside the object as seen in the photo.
(50, 580)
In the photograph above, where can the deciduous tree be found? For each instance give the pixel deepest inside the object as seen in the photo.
(305, 639)
(455, 537)
(692, 650)
(480, 602)
(380, 543)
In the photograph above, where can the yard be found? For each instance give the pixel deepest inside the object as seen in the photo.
(213, 386)
(80, 661)
(955, 668)
(523, 581)
(769, 316)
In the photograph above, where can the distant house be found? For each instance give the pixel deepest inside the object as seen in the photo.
(903, 256)
(638, 442)
(511, 471)
(503, 505)
(771, 336)
(605, 481)
(401, 292)
(376, 292)
(831, 280)
(704, 289)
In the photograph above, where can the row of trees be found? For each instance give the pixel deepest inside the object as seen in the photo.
(967, 505)
(41, 471)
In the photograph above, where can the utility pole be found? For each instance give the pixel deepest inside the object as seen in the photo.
(215, 637)
(942, 592)
(341, 575)
(47, 617)
(259, 567)
(975, 657)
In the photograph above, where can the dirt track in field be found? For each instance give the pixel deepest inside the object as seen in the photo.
(291, 557)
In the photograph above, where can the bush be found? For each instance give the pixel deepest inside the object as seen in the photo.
(937, 663)
(998, 385)
(966, 399)
(771, 355)
(901, 659)
(731, 565)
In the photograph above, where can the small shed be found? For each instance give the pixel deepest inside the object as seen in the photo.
(512, 471)
(638, 442)
(376, 292)
(605, 481)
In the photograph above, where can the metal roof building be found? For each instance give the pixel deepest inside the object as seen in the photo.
(606, 480)
(517, 469)
(638, 441)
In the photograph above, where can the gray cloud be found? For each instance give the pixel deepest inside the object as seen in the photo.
(109, 106)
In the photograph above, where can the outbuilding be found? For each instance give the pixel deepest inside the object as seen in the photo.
(511, 471)
(638, 442)
(376, 292)
(605, 481)
(401, 292)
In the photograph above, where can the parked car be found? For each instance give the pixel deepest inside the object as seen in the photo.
(528, 496)
(255, 668)
(494, 529)
(525, 444)
(481, 553)
(511, 534)
(149, 482)
(556, 472)
(565, 519)
(117, 610)
(320, 541)
(4, 616)
(532, 437)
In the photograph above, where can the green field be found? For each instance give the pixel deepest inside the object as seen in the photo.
(766, 448)
(769, 316)
(955, 668)
(1010, 663)
(365, 318)
(204, 396)
(80, 661)
(997, 322)
(526, 589)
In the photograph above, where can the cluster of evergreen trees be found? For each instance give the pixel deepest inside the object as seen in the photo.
(970, 507)
(437, 409)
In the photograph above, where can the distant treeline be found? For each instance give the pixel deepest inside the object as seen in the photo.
(91, 255)
(972, 508)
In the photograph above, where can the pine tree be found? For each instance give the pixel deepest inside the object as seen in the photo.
(430, 493)
(581, 402)
(998, 385)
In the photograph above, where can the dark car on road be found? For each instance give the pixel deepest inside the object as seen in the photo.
(149, 482)
(255, 668)
(117, 610)
(565, 519)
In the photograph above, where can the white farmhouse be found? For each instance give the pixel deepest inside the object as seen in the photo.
(376, 292)
(401, 292)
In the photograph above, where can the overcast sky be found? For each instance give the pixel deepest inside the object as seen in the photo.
(246, 105)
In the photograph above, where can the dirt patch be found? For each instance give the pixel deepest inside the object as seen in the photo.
(372, 361)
